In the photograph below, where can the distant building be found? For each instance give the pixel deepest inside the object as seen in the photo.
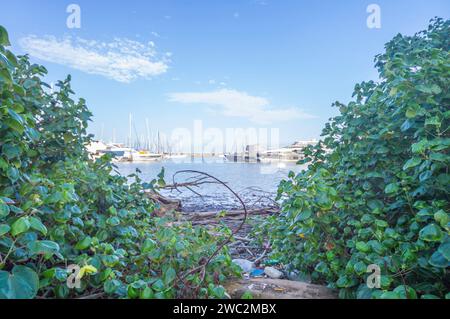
(293, 152)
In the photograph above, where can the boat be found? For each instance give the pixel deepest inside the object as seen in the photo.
(250, 154)
(144, 156)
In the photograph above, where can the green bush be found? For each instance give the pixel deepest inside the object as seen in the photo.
(59, 208)
(376, 190)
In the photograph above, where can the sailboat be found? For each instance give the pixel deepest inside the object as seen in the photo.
(140, 155)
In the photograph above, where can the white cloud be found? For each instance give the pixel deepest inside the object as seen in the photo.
(262, 2)
(122, 59)
(234, 103)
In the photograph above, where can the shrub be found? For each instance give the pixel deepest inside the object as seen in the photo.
(59, 208)
(376, 190)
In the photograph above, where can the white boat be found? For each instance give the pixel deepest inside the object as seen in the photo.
(251, 153)
(144, 156)
(120, 152)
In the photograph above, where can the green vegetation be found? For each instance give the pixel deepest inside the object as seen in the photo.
(59, 208)
(376, 191)
(377, 187)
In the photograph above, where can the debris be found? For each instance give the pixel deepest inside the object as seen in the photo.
(257, 272)
(246, 265)
(271, 262)
(273, 273)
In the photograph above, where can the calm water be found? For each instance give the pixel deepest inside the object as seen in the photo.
(256, 183)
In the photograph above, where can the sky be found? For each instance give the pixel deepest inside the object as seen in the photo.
(231, 64)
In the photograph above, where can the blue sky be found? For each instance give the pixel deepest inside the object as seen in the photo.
(235, 63)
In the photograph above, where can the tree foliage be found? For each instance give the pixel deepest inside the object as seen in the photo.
(376, 190)
(58, 207)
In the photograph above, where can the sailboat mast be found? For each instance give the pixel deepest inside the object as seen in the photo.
(148, 133)
(158, 144)
(130, 133)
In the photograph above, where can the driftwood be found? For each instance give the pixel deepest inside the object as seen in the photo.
(210, 218)
(233, 213)
(165, 204)
(265, 288)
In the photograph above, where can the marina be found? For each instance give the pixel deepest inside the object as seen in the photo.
(250, 154)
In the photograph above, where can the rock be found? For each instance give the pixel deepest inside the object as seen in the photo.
(273, 273)
(295, 276)
(246, 265)
(266, 288)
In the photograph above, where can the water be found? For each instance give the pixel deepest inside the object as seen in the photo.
(256, 183)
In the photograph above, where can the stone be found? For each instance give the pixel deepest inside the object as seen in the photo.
(273, 273)
(295, 276)
(267, 288)
(246, 265)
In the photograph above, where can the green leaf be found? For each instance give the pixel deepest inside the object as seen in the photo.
(13, 174)
(438, 157)
(433, 121)
(11, 151)
(405, 292)
(148, 245)
(304, 215)
(444, 249)
(431, 233)
(413, 162)
(346, 282)
(45, 247)
(110, 286)
(36, 224)
(411, 112)
(362, 246)
(438, 260)
(22, 283)
(146, 293)
(4, 209)
(113, 221)
(4, 39)
(390, 295)
(4, 229)
(15, 121)
(391, 188)
(381, 223)
(169, 275)
(20, 226)
(360, 268)
(429, 89)
(84, 243)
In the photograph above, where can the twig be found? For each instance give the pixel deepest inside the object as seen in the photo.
(257, 260)
(202, 267)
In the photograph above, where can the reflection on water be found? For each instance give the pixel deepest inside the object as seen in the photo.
(262, 178)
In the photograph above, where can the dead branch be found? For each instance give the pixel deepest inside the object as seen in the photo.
(202, 267)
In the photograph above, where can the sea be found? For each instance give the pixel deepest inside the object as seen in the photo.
(255, 183)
